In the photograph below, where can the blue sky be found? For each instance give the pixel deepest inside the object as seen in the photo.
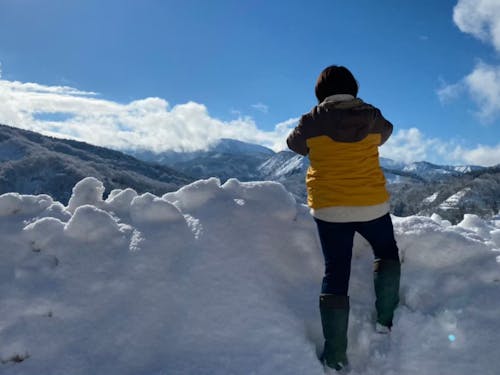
(179, 74)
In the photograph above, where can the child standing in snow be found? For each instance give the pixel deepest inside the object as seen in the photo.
(346, 193)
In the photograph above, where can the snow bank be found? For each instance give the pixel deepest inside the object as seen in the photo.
(269, 197)
(195, 195)
(14, 203)
(148, 208)
(89, 224)
(119, 201)
(224, 279)
(88, 191)
(44, 233)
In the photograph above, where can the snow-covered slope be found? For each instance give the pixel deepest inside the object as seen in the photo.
(224, 279)
(31, 163)
(289, 169)
(473, 192)
(282, 165)
(425, 170)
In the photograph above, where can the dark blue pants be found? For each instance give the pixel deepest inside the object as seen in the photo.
(336, 243)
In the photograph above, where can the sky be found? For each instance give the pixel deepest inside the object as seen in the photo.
(178, 75)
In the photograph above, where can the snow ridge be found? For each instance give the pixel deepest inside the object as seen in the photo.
(224, 279)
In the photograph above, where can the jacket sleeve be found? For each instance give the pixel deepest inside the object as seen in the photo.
(296, 141)
(383, 126)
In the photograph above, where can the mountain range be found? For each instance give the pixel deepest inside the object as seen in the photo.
(31, 163)
(416, 188)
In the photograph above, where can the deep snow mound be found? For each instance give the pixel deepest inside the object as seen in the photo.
(224, 279)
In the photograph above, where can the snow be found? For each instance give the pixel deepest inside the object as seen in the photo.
(283, 164)
(224, 279)
(148, 208)
(89, 224)
(452, 201)
(12, 203)
(87, 191)
(431, 198)
(119, 201)
(440, 220)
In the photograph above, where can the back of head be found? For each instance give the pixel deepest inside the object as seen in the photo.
(335, 80)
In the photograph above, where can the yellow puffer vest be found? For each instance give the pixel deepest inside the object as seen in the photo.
(342, 140)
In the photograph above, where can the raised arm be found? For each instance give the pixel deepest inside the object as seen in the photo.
(296, 141)
(383, 126)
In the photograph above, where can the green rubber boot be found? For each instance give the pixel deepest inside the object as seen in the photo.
(334, 311)
(386, 278)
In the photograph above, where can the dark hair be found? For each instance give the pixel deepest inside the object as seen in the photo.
(335, 80)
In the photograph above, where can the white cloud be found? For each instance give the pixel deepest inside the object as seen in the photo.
(261, 107)
(480, 18)
(148, 123)
(481, 155)
(450, 92)
(482, 86)
(151, 124)
(42, 89)
(282, 130)
(411, 145)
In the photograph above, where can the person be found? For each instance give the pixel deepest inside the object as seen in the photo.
(346, 193)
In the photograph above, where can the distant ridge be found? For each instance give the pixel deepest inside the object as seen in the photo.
(31, 163)
(226, 158)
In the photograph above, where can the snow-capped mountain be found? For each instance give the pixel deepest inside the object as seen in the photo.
(223, 146)
(227, 158)
(31, 163)
(233, 146)
(231, 158)
(426, 170)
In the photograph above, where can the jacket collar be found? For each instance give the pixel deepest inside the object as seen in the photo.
(340, 101)
(338, 98)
